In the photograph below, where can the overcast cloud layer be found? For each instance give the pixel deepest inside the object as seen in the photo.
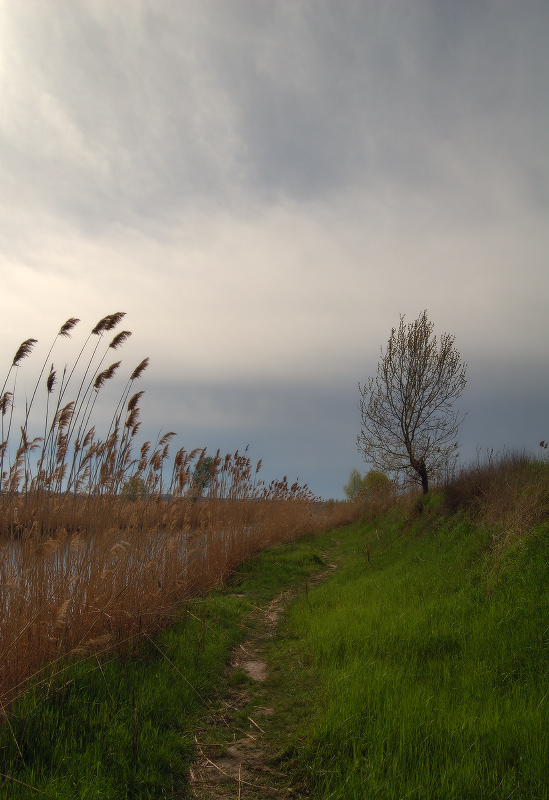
(264, 187)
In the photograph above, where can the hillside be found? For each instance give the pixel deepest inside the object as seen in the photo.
(417, 667)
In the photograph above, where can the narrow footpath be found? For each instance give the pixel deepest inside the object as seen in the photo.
(236, 754)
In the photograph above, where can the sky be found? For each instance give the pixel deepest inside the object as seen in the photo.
(265, 187)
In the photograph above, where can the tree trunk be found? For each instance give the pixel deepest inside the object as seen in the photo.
(421, 470)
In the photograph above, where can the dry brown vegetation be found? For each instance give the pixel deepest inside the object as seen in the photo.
(507, 493)
(85, 564)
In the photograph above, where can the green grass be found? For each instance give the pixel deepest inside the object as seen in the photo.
(429, 667)
(123, 727)
(417, 669)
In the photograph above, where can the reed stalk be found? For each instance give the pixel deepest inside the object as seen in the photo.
(84, 566)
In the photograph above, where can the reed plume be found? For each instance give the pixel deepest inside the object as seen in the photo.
(139, 370)
(24, 350)
(52, 380)
(108, 323)
(119, 339)
(64, 332)
(105, 376)
(93, 565)
(5, 402)
(134, 400)
(66, 328)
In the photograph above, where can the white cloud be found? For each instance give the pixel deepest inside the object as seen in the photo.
(297, 291)
(266, 187)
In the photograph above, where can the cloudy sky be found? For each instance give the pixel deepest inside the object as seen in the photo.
(264, 187)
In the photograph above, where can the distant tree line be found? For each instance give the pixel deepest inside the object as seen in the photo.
(371, 484)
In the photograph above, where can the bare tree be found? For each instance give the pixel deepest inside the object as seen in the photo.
(408, 423)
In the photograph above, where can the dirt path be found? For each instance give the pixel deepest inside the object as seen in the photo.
(235, 758)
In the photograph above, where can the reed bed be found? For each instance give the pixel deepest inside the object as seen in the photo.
(100, 545)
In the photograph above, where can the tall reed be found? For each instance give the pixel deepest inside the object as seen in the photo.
(84, 564)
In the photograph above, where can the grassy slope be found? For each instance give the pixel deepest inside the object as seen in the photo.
(420, 671)
(431, 668)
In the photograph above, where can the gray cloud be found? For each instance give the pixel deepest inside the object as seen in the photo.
(266, 186)
(123, 116)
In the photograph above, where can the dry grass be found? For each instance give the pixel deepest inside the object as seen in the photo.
(85, 568)
(82, 586)
(507, 493)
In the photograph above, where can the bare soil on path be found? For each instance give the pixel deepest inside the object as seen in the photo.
(236, 757)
